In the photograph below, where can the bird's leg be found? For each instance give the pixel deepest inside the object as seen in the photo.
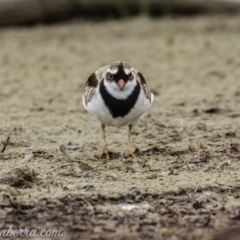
(128, 152)
(105, 150)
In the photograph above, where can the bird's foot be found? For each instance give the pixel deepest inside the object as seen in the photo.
(128, 153)
(104, 154)
(107, 154)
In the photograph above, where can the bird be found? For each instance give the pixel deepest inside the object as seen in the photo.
(117, 95)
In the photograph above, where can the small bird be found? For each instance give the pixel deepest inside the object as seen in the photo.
(117, 95)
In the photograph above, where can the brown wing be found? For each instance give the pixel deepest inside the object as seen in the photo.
(92, 84)
(145, 87)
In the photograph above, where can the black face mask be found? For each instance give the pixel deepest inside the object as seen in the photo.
(120, 74)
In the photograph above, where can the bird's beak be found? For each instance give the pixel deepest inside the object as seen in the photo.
(121, 83)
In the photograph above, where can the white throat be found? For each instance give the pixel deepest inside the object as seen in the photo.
(114, 90)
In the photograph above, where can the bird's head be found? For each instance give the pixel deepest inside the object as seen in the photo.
(120, 79)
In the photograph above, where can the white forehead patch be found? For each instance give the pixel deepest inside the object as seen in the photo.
(113, 71)
(127, 71)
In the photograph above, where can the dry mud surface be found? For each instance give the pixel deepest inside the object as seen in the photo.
(184, 180)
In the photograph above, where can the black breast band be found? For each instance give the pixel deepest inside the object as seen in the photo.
(119, 107)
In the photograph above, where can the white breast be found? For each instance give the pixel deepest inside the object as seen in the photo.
(100, 111)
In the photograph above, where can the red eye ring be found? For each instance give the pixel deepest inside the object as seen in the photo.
(130, 76)
(110, 76)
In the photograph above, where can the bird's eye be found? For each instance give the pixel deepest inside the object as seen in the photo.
(110, 76)
(130, 76)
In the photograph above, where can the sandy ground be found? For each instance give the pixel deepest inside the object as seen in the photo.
(184, 181)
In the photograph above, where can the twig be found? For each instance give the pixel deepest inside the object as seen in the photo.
(5, 144)
(232, 156)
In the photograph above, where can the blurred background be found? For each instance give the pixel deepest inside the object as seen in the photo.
(188, 51)
(17, 12)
